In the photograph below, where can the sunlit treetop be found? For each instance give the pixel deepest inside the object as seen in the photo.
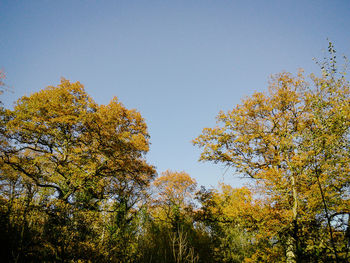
(62, 140)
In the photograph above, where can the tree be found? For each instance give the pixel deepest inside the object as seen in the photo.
(258, 140)
(231, 215)
(82, 157)
(173, 196)
(170, 235)
(64, 141)
(266, 138)
(326, 145)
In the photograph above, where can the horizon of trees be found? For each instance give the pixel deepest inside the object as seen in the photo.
(75, 185)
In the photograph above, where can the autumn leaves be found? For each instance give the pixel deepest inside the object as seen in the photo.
(75, 185)
(294, 141)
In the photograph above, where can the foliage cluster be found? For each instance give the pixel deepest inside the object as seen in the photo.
(75, 185)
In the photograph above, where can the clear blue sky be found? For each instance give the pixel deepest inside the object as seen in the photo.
(177, 62)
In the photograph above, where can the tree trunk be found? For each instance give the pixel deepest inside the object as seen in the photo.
(292, 235)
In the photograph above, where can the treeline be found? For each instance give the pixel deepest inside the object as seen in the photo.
(75, 185)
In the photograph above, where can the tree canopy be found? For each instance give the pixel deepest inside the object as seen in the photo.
(294, 140)
(75, 185)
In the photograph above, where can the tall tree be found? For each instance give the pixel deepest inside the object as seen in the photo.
(326, 145)
(173, 195)
(170, 234)
(258, 139)
(266, 138)
(81, 156)
(62, 140)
